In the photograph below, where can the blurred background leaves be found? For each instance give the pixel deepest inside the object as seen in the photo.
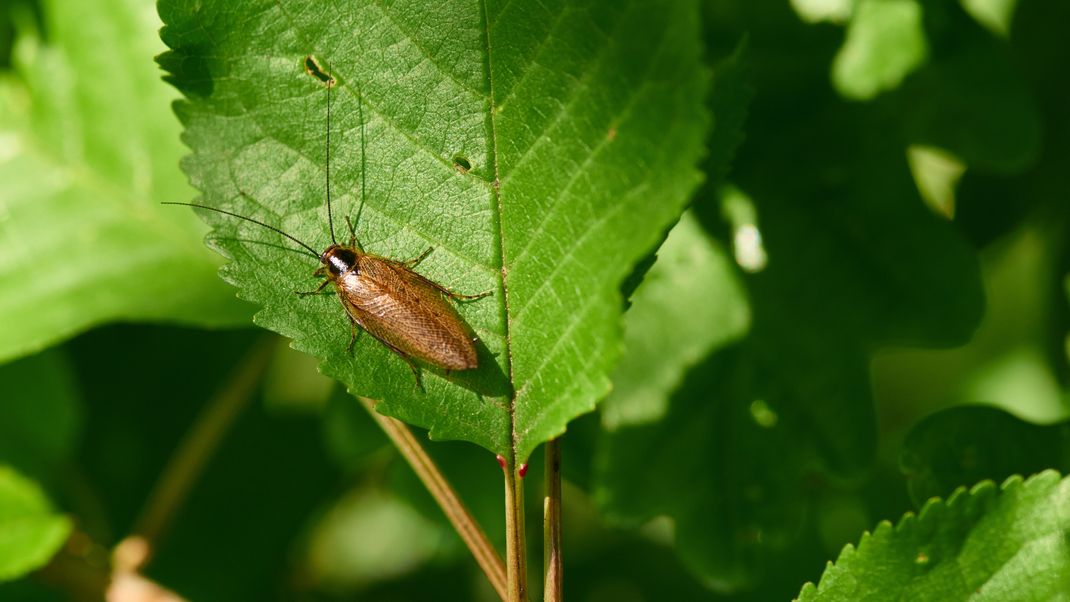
(88, 145)
(881, 245)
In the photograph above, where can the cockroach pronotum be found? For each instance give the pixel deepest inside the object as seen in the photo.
(405, 311)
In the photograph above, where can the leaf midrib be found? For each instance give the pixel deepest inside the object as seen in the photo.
(497, 193)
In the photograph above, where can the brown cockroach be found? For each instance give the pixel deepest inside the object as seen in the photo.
(405, 311)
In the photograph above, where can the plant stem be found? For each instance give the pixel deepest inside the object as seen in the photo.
(200, 442)
(515, 549)
(551, 532)
(485, 554)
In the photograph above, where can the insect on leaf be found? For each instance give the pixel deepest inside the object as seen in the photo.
(539, 148)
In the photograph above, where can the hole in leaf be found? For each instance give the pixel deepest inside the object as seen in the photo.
(461, 163)
(312, 67)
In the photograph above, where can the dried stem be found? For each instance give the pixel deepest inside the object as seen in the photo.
(551, 531)
(486, 556)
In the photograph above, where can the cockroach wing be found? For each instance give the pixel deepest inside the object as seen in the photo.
(407, 313)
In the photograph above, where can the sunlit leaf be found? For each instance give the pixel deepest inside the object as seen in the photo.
(541, 150)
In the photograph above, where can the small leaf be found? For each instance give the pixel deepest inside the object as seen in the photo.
(88, 150)
(996, 15)
(30, 532)
(885, 43)
(541, 149)
(990, 542)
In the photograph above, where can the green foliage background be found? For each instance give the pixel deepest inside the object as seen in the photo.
(863, 308)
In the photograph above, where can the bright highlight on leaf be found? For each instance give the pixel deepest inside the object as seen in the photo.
(541, 149)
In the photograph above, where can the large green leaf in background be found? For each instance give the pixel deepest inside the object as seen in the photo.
(540, 148)
(88, 149)
(988, 543)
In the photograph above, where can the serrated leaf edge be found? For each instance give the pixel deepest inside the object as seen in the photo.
(933, 504)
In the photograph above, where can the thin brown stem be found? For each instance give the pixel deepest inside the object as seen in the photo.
(515, 548)
(200, 443)
(551, 531)
(472, 535)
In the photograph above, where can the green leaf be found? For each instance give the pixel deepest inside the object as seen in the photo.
(540, 149)
(972, 99)
(885, 43)
(723, 465)
(30, 533)
(855, 260)
(990, 542)
(88, 150)
(969, 444)
(689, 303)
(40, 416)
(996, 15)
(368, 536)
(815, 11)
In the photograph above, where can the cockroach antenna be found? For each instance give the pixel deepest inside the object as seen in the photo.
(363, 165)
(330, 213)
(311, 251)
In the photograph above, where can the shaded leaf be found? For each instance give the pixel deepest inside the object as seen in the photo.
(40, 416)
(84, 163)
(854, 260)
(580, 125)
(721, 465)
(968, 444)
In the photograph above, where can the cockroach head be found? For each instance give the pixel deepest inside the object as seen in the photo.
(339, 260)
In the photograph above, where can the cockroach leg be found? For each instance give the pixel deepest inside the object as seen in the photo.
(416, 374)
(445, 291)
(319, 289)
(352, 232)
(411, 263)
(354, 333)
(461, 297)
(458, 296)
